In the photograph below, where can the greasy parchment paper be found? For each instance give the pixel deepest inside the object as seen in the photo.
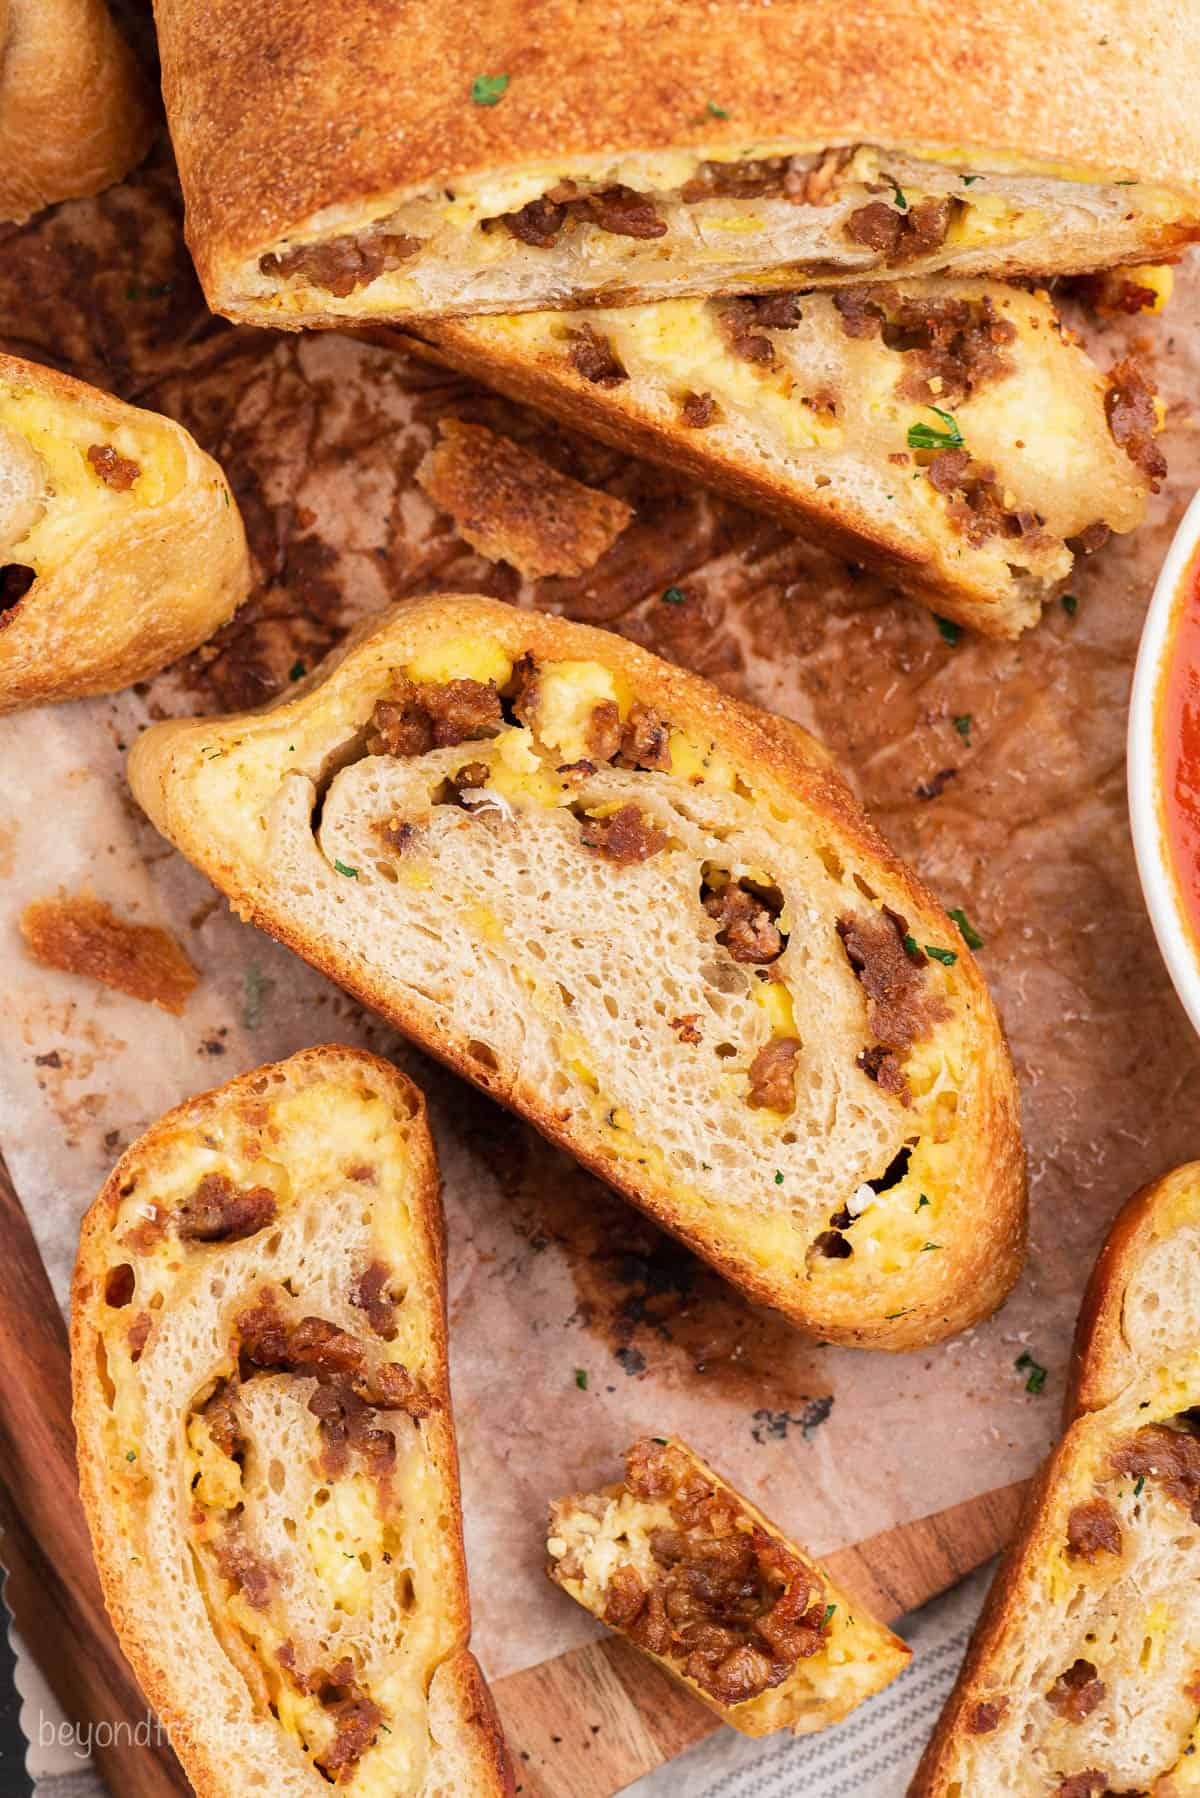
(549, 1273)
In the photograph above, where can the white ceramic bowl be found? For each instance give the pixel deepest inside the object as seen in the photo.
(1160, 887)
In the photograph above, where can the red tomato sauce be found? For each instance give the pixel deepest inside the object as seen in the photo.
(1179, 725)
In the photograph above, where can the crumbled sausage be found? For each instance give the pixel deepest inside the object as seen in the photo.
(348, 1424)
(1170, 1457)
(952, 347)
(624, 836)
(900, 1010)
(356, 1718)
(603, 733)
(741, 327)
(370, 1294)
(698, 410)
(984, 1717)
(1076, 1693)
(876, 226)
(794, 178)
(343, 264)
(243, 1568)
(772, 1075)
(537, 224)
(118, 472)
(623, 212)
(732, 1607)
(976, 502)
(593, 357)
(860, 310)
(645, 739)
(746, 920)
(898, 236)
(433, 715)
(1092, 1529)
(219, 1211)
(1090, 1784)
(1133, 419)
(883, 1067)
(220, 1413)
(687, 1028)
(833, 1245)
(316, 1348)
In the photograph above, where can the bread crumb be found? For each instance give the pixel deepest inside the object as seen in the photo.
(513, 507)
(82, 935)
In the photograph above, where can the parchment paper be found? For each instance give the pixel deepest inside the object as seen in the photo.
(549, 1273)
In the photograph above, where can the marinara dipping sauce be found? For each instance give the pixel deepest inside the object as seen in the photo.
(1179, 736)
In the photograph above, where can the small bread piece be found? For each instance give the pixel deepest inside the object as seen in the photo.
(652, 920)
(696, 1576)
(266, 1451)
(121, 546)
(1083, 1677)
(513, 507)
(75, 108)
(505, 155)
(808, 406)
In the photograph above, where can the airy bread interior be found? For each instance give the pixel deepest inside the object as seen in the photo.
(945, 432)
(691, 1571)
(651, 920)
(1084, 1678)
(266, 1452)
(646, 226)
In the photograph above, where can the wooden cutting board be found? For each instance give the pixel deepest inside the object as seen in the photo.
(586, 1723)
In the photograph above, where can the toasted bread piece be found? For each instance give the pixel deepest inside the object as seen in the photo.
(266, 1451)
(503, 155)
(1083, 1677)
(653, 921)
(75, 109)
(808, 406)
(121, 546)
(679, 1562)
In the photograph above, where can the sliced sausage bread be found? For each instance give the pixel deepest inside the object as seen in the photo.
(1083, 1677)
(694, 1574)
(943, 433)
(652, 920)
(266, 1451)
(121, 548)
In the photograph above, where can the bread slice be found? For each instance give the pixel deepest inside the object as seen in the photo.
(121, 546)
(694, 1574)
(1083, 1677)
(814, 407)
(653, 921)
(76, 111)
(266, 1451)
(498, 155)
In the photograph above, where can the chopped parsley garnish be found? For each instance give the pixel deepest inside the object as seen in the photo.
(929, 1245)
(1141, 1481)
(674, 596)
(296, 671)
(948, 630)
(911, 946)
(341, 868)
(829, 1610)
(889, 1315)
(962, 725)
(1070, 604)
(778, 1178)
(970, 935)
(923, 436)
(968, 180)
(661, 1440)
(716, 112)
(921, 1201)
(257, 989)
(581, 1378)
(1037, 1373)
(901, 197)
(947, 957)
(487, 90)
(131, 1455)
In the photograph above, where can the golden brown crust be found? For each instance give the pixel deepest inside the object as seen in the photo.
(149, 583)
(513, 507)
(384, 106)
(468, 1699)
(79, 934)
(956, 1288)
(75, 109)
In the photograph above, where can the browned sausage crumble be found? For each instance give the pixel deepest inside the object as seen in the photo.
(900, 1009)
(1133, 418)
(343, 264)
(1092, 1529)
(730, 1606)
(592, 356)
(1076, 1693)
(772, 1075)
(899, 236)
(219, 1211)
(1090, 1784)
(746, 918)
(356, 1718)
(976, 502)
(118, 472)
(984, 1717)
(625, 836)
(1170, 1457)
(698, 410)
(433, 715)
